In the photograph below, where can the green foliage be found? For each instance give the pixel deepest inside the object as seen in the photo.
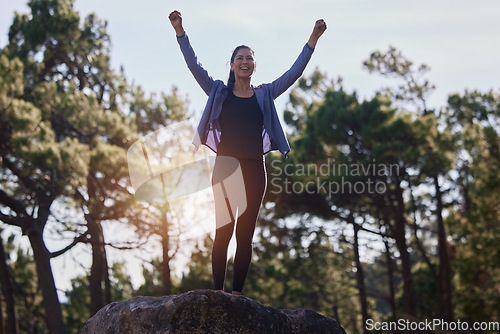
(152, 280)
(67, 119)
(425, 289)
(199, 272)
(296, 266)
(414, 87)
(76, 309)
(66, 122)
(348, 132)
(475, 224)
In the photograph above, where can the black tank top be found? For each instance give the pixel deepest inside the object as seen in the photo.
(241, 128)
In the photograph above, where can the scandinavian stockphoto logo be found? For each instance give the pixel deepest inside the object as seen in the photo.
(164, 167)
(331, 178)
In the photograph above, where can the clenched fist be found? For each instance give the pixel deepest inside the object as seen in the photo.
(176, 20)
(319, 29)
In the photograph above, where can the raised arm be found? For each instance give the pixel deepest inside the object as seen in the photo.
(280, 85)
(200, 74)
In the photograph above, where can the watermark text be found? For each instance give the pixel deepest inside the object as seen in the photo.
(330, 178)
(430, 325)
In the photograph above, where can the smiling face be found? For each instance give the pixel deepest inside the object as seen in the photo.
(243, 64)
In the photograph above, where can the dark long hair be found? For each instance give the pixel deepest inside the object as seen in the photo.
(232, 78)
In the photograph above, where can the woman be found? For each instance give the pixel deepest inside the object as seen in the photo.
(240, 124)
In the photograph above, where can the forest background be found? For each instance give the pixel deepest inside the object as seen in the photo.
(423, 245)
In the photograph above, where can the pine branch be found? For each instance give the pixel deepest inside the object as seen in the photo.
(77, 240)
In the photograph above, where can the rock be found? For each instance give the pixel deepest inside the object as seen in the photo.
(204, 311)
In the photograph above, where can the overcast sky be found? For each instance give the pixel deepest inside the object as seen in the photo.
(458, 39)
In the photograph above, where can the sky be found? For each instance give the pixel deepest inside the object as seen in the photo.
(458, 40)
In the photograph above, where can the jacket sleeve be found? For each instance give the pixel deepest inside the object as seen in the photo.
(200, 74)
(280, 85)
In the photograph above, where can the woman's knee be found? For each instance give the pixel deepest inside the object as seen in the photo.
(244, 238)
(223, 235)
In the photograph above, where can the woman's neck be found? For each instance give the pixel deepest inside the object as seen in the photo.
(242, 88)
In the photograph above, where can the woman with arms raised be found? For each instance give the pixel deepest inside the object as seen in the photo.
(240, 124)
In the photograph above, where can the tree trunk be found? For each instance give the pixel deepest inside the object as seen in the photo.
(1, 314)
(360, 277)
(98, 265)
(12, 325)
(444, 283)
(390, 277)
(28, 316)
(166, 280)
(46, 280)
(99, 275)
(336, 313)
(107, 282)
(409, 304)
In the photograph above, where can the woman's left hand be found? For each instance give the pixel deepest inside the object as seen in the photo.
(319, 29)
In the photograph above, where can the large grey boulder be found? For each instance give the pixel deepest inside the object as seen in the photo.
(204, 311)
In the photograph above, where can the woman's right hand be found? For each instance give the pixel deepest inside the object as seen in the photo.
(176, 20)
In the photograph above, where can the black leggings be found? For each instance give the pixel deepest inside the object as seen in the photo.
(239, 186)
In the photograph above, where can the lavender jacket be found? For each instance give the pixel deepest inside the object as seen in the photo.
(209, 131)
